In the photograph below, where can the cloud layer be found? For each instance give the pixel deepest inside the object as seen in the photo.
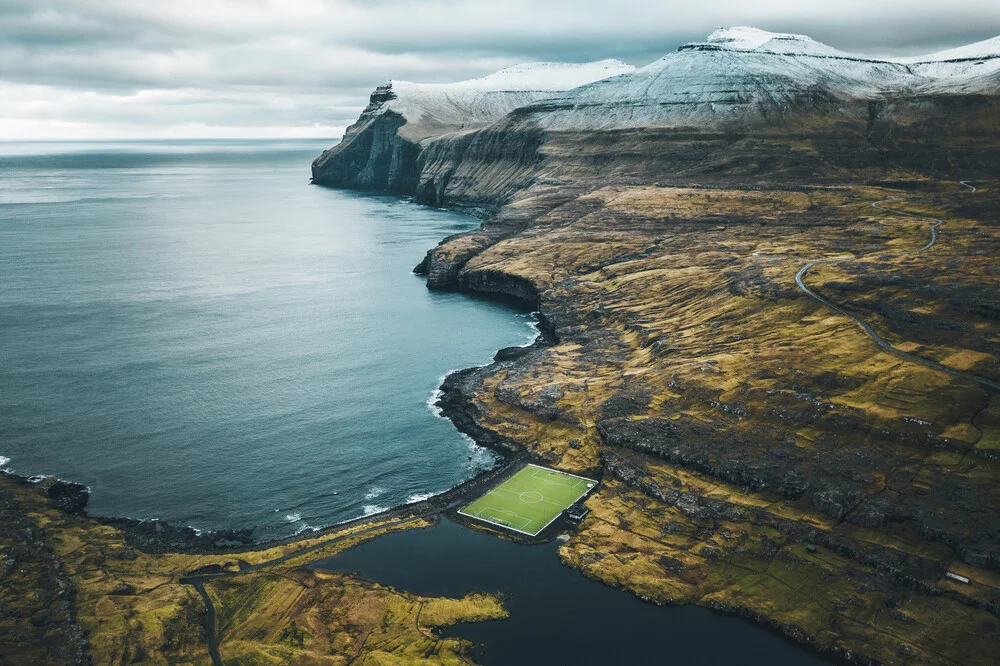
(121, 68)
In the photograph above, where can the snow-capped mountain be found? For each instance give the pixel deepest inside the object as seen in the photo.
(483, 139)
(974, 68)
(380, 150)
(749, 74)
(430, 108)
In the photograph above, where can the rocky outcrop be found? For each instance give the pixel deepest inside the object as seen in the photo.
(154, 536)
(37, 622)
(476, 142)
(372, 155)
(412, 138)
(499, 283)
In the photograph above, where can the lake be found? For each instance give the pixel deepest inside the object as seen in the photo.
(556, 615)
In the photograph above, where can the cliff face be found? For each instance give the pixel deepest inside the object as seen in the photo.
(384, 150)
(744, 104)
(761, 453)
(372, 155)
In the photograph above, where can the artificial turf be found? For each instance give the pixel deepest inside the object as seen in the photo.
(531, 499)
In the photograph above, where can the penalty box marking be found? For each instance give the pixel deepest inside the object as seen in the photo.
(496, 520)
(547, 473)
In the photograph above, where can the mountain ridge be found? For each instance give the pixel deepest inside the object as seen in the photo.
(413, 138)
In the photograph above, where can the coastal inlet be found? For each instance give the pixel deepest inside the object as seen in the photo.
(200, 337)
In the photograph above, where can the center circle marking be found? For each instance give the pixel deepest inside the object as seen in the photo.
(532, 497)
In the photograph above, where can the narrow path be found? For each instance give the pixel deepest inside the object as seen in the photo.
(198, 581)
(934, 227)
(213, 642)
(865, 326)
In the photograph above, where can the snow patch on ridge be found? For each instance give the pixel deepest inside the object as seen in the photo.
(745, 38)
(988, 48)
(429, 108)
(967, 69)
(531, 76)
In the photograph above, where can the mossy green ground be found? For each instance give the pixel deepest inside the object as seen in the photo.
(690, 368)
(531, 499)
(134, 609)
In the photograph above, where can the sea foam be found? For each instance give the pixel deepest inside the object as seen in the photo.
(480, 458)
(3, 461)
(372, 509)
(420, 497)
(436, 394)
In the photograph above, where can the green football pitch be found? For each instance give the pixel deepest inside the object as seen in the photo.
(531, 499)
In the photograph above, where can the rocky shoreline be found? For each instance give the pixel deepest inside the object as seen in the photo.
(455, 401)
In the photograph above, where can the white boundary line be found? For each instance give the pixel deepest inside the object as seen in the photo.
(542, 528)
(496, 514)
(559, 471)
(491, 522)
(549, 481)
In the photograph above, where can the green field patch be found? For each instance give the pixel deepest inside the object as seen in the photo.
(530, 500)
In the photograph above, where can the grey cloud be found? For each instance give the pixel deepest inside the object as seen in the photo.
(230, 62)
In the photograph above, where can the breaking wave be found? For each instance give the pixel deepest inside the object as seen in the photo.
(420, 497)
(481, 459)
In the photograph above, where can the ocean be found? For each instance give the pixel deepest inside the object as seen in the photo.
(201, 337)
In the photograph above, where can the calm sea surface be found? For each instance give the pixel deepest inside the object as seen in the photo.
(200, 336)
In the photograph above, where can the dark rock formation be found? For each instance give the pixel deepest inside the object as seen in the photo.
(37, 621)
(155, 537)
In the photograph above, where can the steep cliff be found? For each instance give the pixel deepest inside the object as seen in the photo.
(745, 103)
(761, 453)
(383, 150)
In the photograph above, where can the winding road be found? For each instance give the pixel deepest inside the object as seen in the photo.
(865, 326)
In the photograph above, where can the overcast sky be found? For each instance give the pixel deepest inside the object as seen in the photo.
(305, 68)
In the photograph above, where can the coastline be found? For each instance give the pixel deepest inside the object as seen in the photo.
(455, 401)
(157, 537)
(451, 400)
(724, 457)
